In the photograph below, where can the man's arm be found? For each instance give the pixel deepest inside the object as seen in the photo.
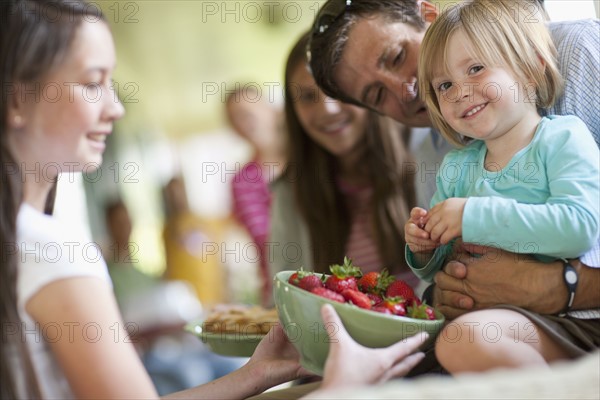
(500, 277)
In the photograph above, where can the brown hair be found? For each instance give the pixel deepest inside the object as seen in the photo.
(311, 171)
(500, 37)
(326, 47)
(31, 43)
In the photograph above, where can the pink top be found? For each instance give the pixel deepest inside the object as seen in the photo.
(251, 206)
(362, 245)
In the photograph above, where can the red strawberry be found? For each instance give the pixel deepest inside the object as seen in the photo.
(340, 284)
(309, 282)
(375, 282)
(430, 313)
(294, 280)
(357, 298)
(328, 294)
(297, 276)
(395, 305)
(421, 312)
(374, 298)
(368, 282)
(344, 277)
(400, 288)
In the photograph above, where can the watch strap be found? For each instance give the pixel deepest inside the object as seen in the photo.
(571, 279)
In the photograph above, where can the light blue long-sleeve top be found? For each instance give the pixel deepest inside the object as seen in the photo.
(544, 202)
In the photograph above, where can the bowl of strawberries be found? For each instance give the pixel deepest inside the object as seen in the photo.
(376, 309)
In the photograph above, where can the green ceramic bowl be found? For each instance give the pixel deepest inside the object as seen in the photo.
(226, 344)
(300, 316)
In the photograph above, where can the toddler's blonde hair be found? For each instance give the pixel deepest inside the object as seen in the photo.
(502, 33)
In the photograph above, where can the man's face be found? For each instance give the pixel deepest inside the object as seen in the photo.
(379, 69)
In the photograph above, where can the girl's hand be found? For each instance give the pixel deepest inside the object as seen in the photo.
(416, 237)
(275, 360)
(444, 221)
(350, 364)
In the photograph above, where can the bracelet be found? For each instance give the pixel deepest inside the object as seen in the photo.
(571, 279)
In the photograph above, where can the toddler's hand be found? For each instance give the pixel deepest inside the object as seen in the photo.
(444, 221)
(416, 237)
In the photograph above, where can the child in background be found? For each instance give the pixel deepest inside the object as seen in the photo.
(519, 181)
(184, 236)
(257, 121)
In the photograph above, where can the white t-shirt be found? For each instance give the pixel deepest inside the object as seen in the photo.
(50, 251)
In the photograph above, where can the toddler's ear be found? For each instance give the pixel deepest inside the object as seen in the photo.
(542, 62)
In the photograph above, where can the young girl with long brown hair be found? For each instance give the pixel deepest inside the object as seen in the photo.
(62, 334)
(348, 187)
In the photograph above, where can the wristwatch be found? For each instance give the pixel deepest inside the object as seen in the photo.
(571, 279)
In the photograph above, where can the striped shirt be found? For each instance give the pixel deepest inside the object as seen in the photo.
(362, 245)
(251, 207)
(578, 45)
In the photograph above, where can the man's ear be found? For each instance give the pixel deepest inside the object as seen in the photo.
(429, 11)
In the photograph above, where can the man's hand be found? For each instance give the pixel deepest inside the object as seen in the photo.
(481, 277)
(444, 221)
(449, 293)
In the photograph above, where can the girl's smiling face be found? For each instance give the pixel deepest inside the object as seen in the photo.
(337, 127)
(66, 122)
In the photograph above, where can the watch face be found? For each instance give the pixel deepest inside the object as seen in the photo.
(571, 277)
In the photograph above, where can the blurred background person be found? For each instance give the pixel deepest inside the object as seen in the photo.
(121, 254)
(192, 246)
(347, 190)
(256, 120)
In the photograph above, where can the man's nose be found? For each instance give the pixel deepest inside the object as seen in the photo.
(411, 89)
(405, 89)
